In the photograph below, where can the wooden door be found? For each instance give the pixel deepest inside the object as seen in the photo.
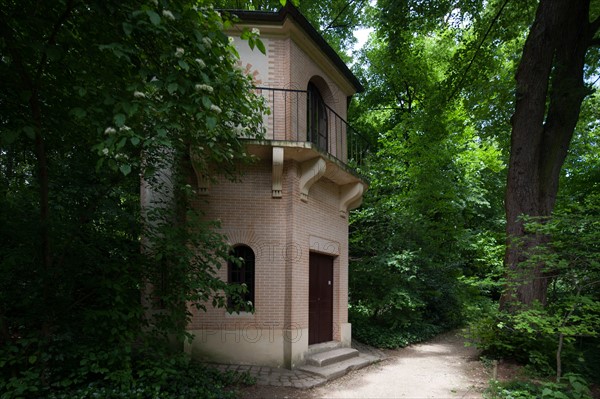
(320, 299)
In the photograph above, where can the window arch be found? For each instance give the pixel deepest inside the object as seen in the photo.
(317, 118)
(242, 273)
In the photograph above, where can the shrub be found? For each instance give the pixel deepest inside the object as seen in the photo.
(144, 373)
(389, 337)
(571, 386)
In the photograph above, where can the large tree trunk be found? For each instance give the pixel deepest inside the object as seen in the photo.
(550, 90)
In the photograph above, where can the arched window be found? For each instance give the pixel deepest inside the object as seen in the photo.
(317, 118)
(242, 272)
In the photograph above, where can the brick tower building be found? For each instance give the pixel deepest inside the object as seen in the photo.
(288, 216)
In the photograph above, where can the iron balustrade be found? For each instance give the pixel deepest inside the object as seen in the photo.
(292, 118)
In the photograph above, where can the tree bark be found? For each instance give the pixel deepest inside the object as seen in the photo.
(550, 90)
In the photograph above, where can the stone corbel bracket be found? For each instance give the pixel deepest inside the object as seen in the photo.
(310, 172)
(277, 171)
(350, 197)
(203, 181)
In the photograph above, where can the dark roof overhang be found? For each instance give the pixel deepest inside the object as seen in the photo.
(290, 10)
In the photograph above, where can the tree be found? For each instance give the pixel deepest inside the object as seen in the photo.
(550, 90)
(95, 95)
(429, 232)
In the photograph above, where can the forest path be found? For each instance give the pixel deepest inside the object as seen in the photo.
(440, 368)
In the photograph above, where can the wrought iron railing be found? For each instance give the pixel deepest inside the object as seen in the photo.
(290, 119)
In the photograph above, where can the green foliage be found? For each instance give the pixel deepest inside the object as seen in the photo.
(439, 97)
(97, 95)
(563, 334)
(572, 386)
(437, 166)
(390, 337)
(387, 306)
(151, 373)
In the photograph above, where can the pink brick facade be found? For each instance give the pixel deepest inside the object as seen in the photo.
(283, 229)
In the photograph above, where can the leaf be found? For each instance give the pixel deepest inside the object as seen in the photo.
(29, 132)
(184, 65)
(121, 143)
(172, 87)
(128, 107)
(99, 164)
(211, 122)
(78, 113)
(206, 102)
(128, 28)
(154, 17)
(120, 120)
(32, 359)
(135, 140)
(125, 169)
(261, 46)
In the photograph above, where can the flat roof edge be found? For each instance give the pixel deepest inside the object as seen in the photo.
(291, 10)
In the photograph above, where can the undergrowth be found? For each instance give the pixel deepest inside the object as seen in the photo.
(145, 375)
(390, 337)
(571, 386)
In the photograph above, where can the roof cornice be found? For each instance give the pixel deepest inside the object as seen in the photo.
(290, 10)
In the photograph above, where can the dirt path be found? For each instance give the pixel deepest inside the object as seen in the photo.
(440, 368)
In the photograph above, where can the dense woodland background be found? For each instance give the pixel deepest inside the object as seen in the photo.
(462, 113)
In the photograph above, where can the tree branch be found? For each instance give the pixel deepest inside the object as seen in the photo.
(33, 86)
(338, 15)
(489, 29)
(52, 38)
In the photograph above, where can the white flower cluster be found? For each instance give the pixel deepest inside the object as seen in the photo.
(200, 62)
(139, 94)
(238, 130)
(203, 87)
(255, 31)
(110, 130)
(215, 109)
(207, 42)
(179, 52)
(168, 14)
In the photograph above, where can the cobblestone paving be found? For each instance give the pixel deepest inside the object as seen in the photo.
(278, 377)
(281, 377)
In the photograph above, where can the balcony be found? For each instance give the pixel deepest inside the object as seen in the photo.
(300, 121)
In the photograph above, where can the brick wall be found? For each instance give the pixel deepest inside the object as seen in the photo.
(278, 231)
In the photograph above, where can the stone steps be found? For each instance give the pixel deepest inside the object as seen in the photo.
(338, 369)
(323, 347)
(331, 356)
(331, 361)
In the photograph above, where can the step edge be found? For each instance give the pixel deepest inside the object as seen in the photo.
(343, 354)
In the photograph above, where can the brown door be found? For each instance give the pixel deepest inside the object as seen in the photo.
(320, 299)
